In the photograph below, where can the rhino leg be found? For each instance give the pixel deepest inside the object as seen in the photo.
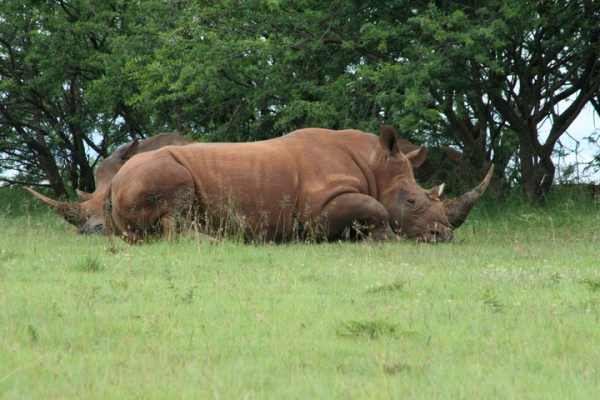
(347, 208)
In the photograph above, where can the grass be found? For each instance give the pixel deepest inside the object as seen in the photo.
(510, 310)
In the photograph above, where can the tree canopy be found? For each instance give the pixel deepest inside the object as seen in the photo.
(79, 78)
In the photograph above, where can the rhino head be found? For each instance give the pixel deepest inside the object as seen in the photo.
(415, 212)
(87, 216)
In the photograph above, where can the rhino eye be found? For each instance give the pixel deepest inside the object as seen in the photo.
(411, 201)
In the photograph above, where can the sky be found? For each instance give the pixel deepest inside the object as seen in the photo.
(587, 123)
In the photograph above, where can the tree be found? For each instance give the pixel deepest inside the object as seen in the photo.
(481, 78)
(247, 71)
(513, 65)
(478, 76)
(62, 96)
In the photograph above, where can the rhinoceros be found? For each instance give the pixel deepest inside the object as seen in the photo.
(311, 180)
(87, 215)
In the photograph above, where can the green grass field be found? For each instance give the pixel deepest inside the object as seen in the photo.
(510, 310)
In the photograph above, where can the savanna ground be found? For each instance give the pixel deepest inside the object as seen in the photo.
(510, 310)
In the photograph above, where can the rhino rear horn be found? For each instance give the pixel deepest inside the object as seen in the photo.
(71, 212)
(459, 208)
(83, 196)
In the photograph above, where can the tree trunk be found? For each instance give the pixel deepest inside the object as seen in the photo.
(538, 173)
(53, 174)
(82, 174)
(47, 163)
(38, 146)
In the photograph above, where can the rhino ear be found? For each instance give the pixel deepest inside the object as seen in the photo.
(435, 192)
(388, 139)
(417, 157)
(131, 149)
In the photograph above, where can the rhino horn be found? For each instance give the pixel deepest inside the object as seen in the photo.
(83, 196)
(71, 212)
(458, 208)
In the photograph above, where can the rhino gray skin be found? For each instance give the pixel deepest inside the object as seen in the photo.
(87, 215)
(318, 180)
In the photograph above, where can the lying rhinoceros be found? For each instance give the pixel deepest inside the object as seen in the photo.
(311, 180)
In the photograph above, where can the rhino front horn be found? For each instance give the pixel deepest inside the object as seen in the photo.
(459, 208)
(72, 213)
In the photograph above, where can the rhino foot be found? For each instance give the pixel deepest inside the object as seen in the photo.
(384, 235)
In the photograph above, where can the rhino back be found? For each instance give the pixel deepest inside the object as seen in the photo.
(297, 173)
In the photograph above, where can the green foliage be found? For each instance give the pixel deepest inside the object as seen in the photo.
(481, 77)
(64, 97)
(294, 65)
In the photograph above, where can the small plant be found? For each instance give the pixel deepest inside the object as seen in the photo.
(591, 304)
(397, 368)
(395, 286)
(187, 297)
(90, 264)
(33, 334)
(591, 284)
(370, 330)
(555, 278)
(491, 300)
